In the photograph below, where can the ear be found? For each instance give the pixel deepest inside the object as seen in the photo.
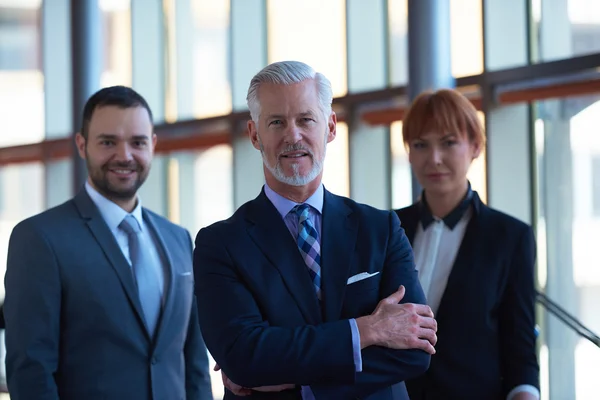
(331, 127)
(154, 139)
(253, 134)
(80, 143)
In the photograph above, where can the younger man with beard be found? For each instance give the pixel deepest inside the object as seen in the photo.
(100, 291)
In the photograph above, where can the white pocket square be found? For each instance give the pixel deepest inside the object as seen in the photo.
(185, 273)
(361, 276)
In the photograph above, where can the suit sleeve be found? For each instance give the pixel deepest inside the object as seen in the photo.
(383, 367)
(517, 318)
(32, 313)
(250, 352)
(197, 374)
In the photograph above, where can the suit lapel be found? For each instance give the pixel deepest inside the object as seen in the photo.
(111, 250)
(467, 256)
(268, 230)
(169, 294)
(409, 221)
(338, 241)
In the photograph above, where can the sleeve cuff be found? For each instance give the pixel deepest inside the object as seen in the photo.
(356, 345)
(523, 388)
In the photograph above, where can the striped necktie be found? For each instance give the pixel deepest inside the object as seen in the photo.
(308, 243)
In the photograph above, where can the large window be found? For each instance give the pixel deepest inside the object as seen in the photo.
(21, 196)
(466, 37)
(336, 175)
(596, 185)
(311, 31)
(398, 20)
(567, 237)
(466, 33)
(116, 20)
(565, 28)
(211, 83)
(21, 77)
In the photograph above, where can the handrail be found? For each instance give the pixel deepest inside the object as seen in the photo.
(568, 319)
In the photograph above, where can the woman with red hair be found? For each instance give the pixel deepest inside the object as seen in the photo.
(476, 264)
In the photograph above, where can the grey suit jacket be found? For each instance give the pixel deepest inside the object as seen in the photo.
(74, 322)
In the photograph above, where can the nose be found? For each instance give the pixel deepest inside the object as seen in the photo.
(124, 152)
(293, 134)
(436, 156)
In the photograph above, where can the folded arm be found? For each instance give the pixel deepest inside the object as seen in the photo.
(383, 366)
(32, 314)
(250, 351)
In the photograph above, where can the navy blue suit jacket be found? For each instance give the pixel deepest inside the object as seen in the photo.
(259, 313)
(74, 325)
(486, 339)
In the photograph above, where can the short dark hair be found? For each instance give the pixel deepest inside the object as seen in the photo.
(119, 96)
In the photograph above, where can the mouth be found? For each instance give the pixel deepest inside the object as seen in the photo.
(436, 176)
(122, 172)
(295, 154)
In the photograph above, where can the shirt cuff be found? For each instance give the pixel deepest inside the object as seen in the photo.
(307, 393)
(523, 388)
(356, 345)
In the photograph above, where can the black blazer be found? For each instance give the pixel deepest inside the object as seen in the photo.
(486, 337)
(260, 316)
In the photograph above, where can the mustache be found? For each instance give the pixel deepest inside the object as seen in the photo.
(295, 147)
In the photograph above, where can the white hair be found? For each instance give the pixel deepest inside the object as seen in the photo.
(288, 73)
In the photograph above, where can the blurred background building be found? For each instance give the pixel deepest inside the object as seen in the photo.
(532, 68)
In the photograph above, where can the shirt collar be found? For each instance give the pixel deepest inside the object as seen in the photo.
(452, 218)
(113, 214)
(284, 206)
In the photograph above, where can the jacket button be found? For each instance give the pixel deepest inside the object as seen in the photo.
(154, 360)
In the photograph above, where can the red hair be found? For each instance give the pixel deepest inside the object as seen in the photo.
(445, 111)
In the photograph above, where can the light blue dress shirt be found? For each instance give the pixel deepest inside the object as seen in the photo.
(113, 215)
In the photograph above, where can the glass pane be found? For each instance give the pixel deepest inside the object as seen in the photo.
(567, 151)
(478, 170)
(213, 185)
(116, 19)
(17, 202)
(212, 88)
(336, 171)
(398, 20)
(21, 76)
(466, 32)
(401, 172)
(565, 28)
(311, 31)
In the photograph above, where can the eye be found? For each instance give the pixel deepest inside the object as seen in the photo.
(276, 122)
(449, 143)
(419, 145)
(106, 143)
(139, 143)
(307, 119)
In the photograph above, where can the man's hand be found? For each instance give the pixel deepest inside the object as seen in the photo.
(399, 326)
(234, 388)
(242, 391)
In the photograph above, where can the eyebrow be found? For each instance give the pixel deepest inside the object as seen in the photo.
(448, 136)
(302, 114)
(109, 136)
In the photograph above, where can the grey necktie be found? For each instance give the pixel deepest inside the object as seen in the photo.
(145, 272)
